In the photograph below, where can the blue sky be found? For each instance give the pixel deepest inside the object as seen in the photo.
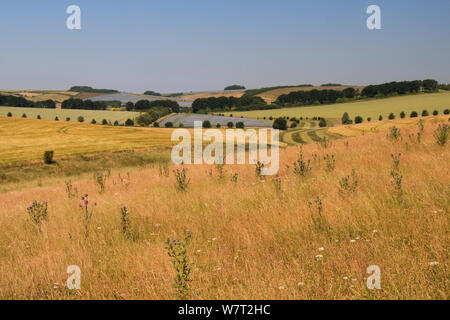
(173, 46)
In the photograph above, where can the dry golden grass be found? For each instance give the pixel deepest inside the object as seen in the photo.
(272, 95)
(248, 240)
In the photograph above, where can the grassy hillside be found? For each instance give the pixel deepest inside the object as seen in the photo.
(62, 114)
(368, 108)
(291, 237)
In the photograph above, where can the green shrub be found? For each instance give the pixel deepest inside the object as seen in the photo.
(9, 114)
(346, 119)
(240, 125)
(218, 126)
(230, 125)
(93, 121)
(435, 113)
(402, 115)
(68, 119)
(104, 122)
(322, 123)
(24, 115)
(414, 114)
(380, 118)
(116, 123)
(425, 113)
(56, 119)
(293, 125)
(39, 117)
(80, 119)
(369, 119)
(446, 111)
(358, 119)
(169, 125)
(48, 157)
(391, 116)
(280, 124)
(206, 124)
(129, 123)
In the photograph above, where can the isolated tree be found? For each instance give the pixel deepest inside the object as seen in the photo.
(104, 122)
(414, 114)
(39, 117)
(94, 121)
(116, 123)
(346, 119)
(358, 119)
(56, 119)
(80, 119)
(24, 115)
(402, 115)
(240, 125)
(391, 116)
(435, 113)
(168, 124)
(369, 119)
(230, 125)
(68, 119)
(425, 113)
(380, 118)
(9, 114)
(206, 124)
(218, 126)
(280, 124)
(129, 123)
(446, 111)
(322, 123)
(129, 106)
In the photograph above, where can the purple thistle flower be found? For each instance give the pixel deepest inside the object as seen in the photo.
(86, 202)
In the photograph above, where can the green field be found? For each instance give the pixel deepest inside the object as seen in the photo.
(369, 108)
(50, 114)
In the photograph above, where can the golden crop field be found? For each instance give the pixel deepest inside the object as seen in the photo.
(365, 108)
(27, 139)
(310, 234)
(214, 94)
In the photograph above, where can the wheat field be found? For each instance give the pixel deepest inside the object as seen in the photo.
(252, 238)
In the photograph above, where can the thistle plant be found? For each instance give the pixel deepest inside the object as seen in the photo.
(125, 214)
(259, 166)
(441, 134)
(302, 167)
(396, 176)
(220, 171)
(70, 190)
(38, 212)
(325, 142)
(330, 162)
(100, 180)
(164, 171)
(348, 184)
(316, 208)
(235, 177)
(125, 181)
(87, 213)
(177, 251)
(277, 183)
(394, 134)
(421, 125)
(182, 182)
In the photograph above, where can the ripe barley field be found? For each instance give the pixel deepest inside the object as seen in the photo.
(284, 237)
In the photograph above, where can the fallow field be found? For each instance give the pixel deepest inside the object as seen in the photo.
(308, 233)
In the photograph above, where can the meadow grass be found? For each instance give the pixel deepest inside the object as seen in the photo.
(365, 108)
(251, 238)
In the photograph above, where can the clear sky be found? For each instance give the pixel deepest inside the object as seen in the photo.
(195, 45)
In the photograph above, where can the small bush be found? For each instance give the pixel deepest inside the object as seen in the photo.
(156, 125)
(425, 113)
(206, 124)
(129, 123)
(68, 119)
(240, 125)
(322, 123)
(369, 119)
(358, 119)
(168, 125)
(435, 113)
(230, 125)
(24, 115)
(56, 119)
(48, 157)
(391, 116)
(446, 111)
(93, 121)
(104, 122)
(402, 115)
(380, 118)
(293, 125)
(80, 119)
(116, 123)
(39, 117)
(181, 125)
(218, 126)
(414, 114)
(9, 114)
(280, 124)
